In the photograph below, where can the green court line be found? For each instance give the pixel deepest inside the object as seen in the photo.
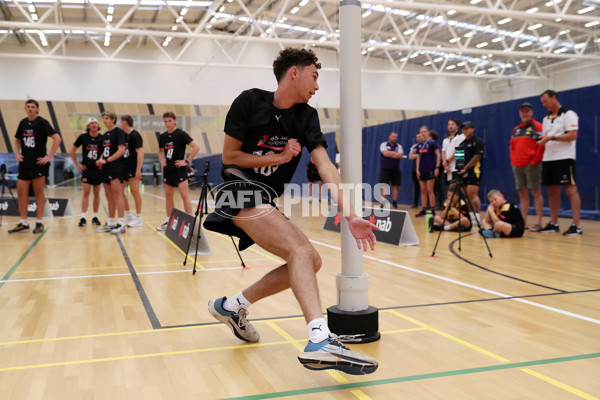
(345, 386)
(20, 260)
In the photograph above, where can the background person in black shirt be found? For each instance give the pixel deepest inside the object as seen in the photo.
(471, 173)
(30, 151)
(134, 159)
(171, 153)
(264, 135)
(112, 165)
(91, 176)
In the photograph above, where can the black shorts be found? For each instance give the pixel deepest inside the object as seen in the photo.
(229, 201)
(174, 176)
(426, 176)
(29, 173)
(470, 178)
(111, 172)
(516, 231)
(313, 176)
(92, 175)
(558, 172)
(387, 175)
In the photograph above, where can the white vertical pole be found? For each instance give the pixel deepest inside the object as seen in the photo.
(352, 283)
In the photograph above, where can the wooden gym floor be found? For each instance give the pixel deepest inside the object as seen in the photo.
(98, 316)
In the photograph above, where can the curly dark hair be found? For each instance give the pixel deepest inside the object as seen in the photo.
(291, 57)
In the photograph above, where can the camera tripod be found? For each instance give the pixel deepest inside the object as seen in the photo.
(3, 184)
(458, 190)
(201, 211)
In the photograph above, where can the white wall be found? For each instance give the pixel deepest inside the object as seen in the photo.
(143, 83)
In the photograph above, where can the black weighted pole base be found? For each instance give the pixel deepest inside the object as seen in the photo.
(354, 326)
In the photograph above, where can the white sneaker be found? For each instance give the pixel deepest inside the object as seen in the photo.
(136, 221)
(163, 227)
(118, 229)
(129, 218)
(105, 228)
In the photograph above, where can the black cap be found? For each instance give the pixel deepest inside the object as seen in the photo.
(526, 105)
(467, 124)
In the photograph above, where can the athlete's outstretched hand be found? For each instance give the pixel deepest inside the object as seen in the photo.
(362, 230)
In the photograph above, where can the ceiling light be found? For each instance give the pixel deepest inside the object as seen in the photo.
(586, 10)
(427, 63)
(460, 64)
(222, 9)
(534, 27)
(553, 2)
(475, 1)
(454, 40)
(557, 19)
(365, 14)
(504, 21)
(561, 50)
(580, 45)
(480, 45)
(438, 59)
(469, 34)
(451, 12)
(303, 3)
(532, 10)
(174, 28)
(525, 44)
(109, 18)
(590, 24)
(481, 72)
(183, 11)
(31, 8)
(496, 40)
(438, 19)
(111, 10)
(294, 10)
(408, 31)
(492, 69)
(451, 67)
(34, 17)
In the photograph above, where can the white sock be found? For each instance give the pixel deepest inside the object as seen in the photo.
(110, 222)
(446, 227)
(39, 221)
(121, 221)
(95, 215)
(24, 222)
(318, 330)
(128, 213)
(236, 302)
(82, 215)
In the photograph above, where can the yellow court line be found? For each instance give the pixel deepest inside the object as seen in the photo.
(149, 355)
(453, 338)
(561, 385)
(497, 357)
(198, 265)
(125, 266)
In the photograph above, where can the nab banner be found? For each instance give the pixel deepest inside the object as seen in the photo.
(395, 228)
(8, 206)
(60, 207)
(179, 230)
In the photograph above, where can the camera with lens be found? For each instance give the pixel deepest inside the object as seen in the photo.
(459, 157)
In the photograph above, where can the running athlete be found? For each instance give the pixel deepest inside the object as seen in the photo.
(91, 176)
(171, 153)
(112, 164)
(30, 151)
(264, 135)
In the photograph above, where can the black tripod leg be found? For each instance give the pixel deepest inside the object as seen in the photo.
(238, 252)
(471, 209)
(444, 223)
(193, 227)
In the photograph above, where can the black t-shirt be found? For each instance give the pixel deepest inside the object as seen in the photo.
(91, 150)
(511, 214)
(111, 141)
(34, 136)
(133, 141)
(265, 129)
(472, 147)
(174, 144)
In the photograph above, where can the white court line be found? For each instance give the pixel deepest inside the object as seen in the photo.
(112, 275)
(531, 303)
